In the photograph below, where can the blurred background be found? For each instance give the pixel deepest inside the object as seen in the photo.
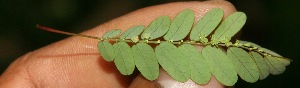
(274, 24)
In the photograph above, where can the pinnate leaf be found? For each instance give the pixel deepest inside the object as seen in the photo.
(261, 65)
(173, 61)
(132, 32)
(112, 33)
(145, 60)
(220, 65)
(124, 60)
(186, 62)
(243, 64)
(200, 72)
(230, 26)
(107, 50)
(180, 26)
(207, 24)
(157, 28)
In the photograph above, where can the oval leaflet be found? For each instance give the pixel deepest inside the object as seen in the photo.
(173, 61)
(146, 61)
(243, 64)
(180, 26)
(220, 65)
(200, 72)
(124, 58)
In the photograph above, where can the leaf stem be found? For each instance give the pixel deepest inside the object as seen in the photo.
(63, 32)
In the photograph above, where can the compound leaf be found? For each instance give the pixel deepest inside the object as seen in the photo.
(157, 28)
(220, 65)
(180, 26)
(261, 65)
(200, 72)
(132, 32)
(107, 50)
(124, 60)
(244, 64)
(173, 61)
(112, 33)
(230, 26)
(145, 60)
(207, 24)
(275, 65)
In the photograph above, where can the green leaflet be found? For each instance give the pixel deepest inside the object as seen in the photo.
(207, 24)
(106, 50)
(132, 32)
(261, 65)
(124, 59)
(180, 26)
(200, 72)
(146, 61)
(275, 65)
(112, 33)
(173, 61)
(220, 65)
(244, 64)
(157, 28)
(230, 26)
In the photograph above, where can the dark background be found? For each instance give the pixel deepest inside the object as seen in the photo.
(273, 24)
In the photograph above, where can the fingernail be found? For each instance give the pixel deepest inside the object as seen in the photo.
(165, 81)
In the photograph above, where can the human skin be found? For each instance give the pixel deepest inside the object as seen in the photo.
(76, 62)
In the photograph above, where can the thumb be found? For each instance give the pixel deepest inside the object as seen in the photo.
(200, 8)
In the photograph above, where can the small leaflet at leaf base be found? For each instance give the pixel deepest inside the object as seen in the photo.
(124, 60)
(200, 72)
(230, 26)
(106, 50)
(157, 28)
(181, 26)
(243, 64)
(173, 61)
(112, 33)
(276, 67)
(261, 65)
(207, 24)
(146, 61)
(132, 32)
(220, 65)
